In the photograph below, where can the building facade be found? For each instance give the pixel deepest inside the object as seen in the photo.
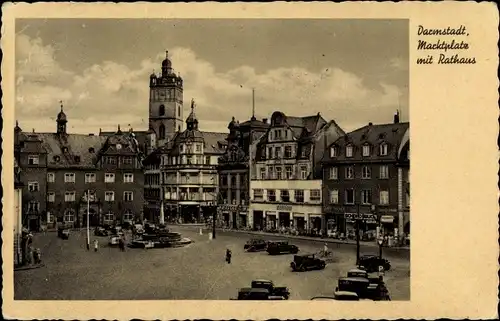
(18, 213)
(234, 172)
(289, 154)
(188, 170)
(60, 170)
(361, 176)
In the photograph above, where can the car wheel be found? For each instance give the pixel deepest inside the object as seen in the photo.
(387, 267)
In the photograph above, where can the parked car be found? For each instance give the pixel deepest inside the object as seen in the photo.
(101, 231)
(306, 262)
(273, 290)
(357, 273)
(63, 233)
(281, 247)
(345, 296)
(114, 240)
(364, 288)
(257, 294)
(371, 263)
(254, 245)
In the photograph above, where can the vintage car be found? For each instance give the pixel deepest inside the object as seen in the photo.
(281, 247)
(371, 263)
(101, 231)
(306, 262)
(273, 290)
(254, 245)
(345, 296)
(364, 288)
(138, 229)
(257, 294)
(63, 233)
(322, 298)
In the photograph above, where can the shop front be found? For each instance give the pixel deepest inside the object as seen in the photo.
(234, 216)
(299, 218)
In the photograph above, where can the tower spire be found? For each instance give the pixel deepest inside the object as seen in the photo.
(166, 53)
(61, 102)
(253, 104)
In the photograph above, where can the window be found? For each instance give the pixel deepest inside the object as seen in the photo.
(277, 133)
(161, 133)
(315, 195)
(51, 177)
(366, 196)
(128, 196)
(303, 153)
(271, 174)
(128, 216)
(189, 160)
(263, 173)
(269, 152)
(286, 133)
(33, 187)
(348, 151)
(198, 148)
(271, 195)
(33, 160)
(349, 172)
(33, 206)
(69, 177)
(51, 197)
(69, 216)
(366, 172)
(366, 150)
(109, 196)
(233, 181)
(288, 172)
(223, 179)
(127, 160)
(162, 110)
(384, 198)
(110, 160)
(303, 172)
(109, 178)
(109, 217)
(207, 160)
(288, 151)
(334, 173)
(299, 196)
(90, 177)
(384, 171)
(91, 196)
(258, 194)
(278, 173)
(69, 196)
(334, 196)
(333, 151)
(277, 152)
(383, 149)
(182, 148)
(349, 196)
(285, 196)
(50, 217)
(128, 178)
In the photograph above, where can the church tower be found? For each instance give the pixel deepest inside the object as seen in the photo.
(165, 103)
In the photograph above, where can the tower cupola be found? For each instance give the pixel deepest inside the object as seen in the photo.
(166, 66)
(192, 121)
(61, 121)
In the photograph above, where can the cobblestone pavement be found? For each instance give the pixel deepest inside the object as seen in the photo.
(197, 271)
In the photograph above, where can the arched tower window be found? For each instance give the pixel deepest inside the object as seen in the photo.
(162, 132)
(179, 112)
(162, 110)
(179, 128)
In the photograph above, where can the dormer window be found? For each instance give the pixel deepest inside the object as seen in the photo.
(77, 159)
(366, 150)
(383, 149)
(65, 149)
(349, 151)
(334, 151)
(91, 150)
(57, 159)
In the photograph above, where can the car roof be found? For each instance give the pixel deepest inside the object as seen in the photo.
(355, 279)
(345, 293)
(255, 290)
(262, 280)
(357, 270)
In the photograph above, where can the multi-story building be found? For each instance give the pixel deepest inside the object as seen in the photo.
(404, 184)
(60, 170)
(18, 214)
(188, 165)
(286, 172)
(361, 178)
(234, 173)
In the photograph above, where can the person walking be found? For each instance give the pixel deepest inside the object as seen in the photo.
(228, 256)
(96, 245)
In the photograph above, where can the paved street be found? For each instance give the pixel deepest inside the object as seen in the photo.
(196, 272)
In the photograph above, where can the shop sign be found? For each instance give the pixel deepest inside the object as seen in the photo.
(335, 209)
(361, 216)
(387, 219)
(229, 207)
(284, 208)
(243, 213)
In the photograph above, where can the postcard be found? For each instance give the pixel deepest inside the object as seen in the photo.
(165, 161)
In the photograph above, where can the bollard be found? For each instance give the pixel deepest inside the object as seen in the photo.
(210, 236)
(201, 231)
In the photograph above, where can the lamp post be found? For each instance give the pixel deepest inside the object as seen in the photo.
(380, 239)
(357, 236)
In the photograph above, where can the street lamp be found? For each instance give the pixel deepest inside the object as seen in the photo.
(380, 239)
(357, 236)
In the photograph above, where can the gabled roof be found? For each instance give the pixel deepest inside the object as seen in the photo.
(373, 135)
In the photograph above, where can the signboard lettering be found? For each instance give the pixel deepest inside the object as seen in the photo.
(284, 207)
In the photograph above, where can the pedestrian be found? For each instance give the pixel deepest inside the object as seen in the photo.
(121, 245)
(228, 256)
(96, 245)
(325, 249)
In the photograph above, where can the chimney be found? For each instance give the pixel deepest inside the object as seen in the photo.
(370, 123)
(91, 134)
(396, 117)
(264, 120)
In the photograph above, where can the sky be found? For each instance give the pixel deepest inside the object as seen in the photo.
(350, 71)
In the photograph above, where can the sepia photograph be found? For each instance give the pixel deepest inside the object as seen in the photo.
(199, 160)
(226, 159)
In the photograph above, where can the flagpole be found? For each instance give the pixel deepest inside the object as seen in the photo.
(88, 223)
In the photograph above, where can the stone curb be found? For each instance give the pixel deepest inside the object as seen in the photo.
(29, 267)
